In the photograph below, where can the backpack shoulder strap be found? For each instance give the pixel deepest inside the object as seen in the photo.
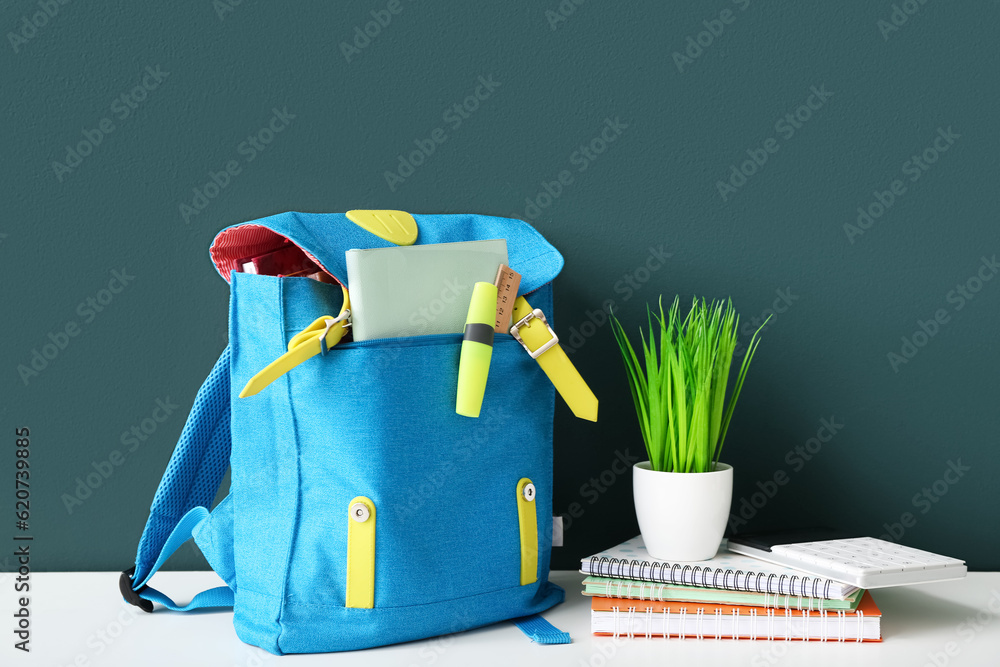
(187, 489)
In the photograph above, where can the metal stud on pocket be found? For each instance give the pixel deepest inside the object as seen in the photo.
(359, 512)
(529, 492)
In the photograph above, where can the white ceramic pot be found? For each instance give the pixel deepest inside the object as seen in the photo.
(682, 515)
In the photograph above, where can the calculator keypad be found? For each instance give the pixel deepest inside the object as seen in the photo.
(863, 556)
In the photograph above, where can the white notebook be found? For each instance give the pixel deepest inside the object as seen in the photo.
(634, 618)
(731, 571)
(420, 289)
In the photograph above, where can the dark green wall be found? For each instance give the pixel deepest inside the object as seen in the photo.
(777, 240)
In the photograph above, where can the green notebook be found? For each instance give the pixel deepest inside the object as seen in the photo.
(418, 290)
(645, 590)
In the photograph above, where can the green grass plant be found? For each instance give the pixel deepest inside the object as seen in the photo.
(679, 385)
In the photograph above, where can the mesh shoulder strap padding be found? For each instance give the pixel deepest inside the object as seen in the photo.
(196, 469)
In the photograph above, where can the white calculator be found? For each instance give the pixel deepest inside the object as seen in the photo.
(865, 562)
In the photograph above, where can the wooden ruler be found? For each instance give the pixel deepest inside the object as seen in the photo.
(507, 282)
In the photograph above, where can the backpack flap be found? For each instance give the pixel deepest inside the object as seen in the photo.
(325, 237)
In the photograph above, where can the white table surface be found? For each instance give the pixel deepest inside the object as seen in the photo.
(80, 619)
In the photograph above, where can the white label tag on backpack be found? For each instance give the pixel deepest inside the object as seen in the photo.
(557, 531)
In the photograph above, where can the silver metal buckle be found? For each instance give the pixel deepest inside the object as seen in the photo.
(330, 321)
(535, 314)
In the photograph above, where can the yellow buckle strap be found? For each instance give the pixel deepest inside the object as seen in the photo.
(317, 338)
(532, 330)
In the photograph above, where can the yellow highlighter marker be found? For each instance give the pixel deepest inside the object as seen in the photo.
(477, 350)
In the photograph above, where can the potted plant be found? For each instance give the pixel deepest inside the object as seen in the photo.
(683, 492)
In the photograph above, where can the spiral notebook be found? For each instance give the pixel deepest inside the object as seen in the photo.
(630, 618)
(727, 571)
(628, 589)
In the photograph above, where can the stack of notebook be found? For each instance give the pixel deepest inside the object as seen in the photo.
(731, 596)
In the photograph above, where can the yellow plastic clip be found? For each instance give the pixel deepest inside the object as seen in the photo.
(397, 227)
(317, 338)
(360, 554)
(528, 522)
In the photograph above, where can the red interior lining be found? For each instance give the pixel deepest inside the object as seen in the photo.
(237, 243)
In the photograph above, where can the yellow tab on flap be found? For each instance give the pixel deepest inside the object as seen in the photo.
(528, 522)
(397, 227)
(360, 554)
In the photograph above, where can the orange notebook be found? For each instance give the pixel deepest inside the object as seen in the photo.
(635, 618)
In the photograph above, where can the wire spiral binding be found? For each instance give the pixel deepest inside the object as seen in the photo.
(702, 575)
(630, 623)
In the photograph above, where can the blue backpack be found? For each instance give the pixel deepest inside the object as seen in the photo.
(363, 510)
